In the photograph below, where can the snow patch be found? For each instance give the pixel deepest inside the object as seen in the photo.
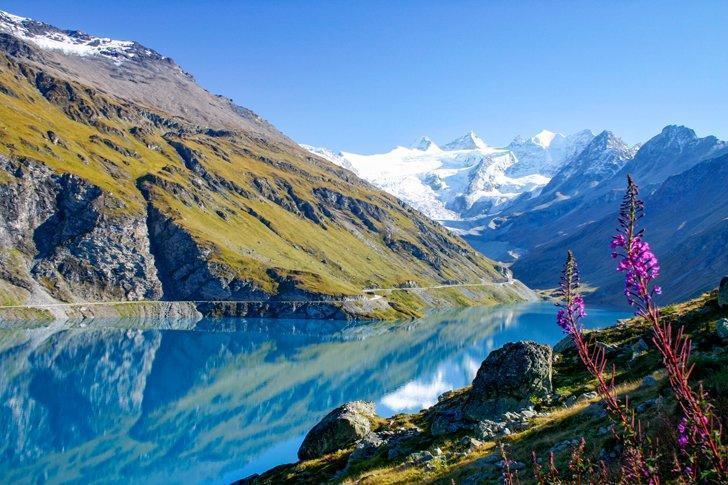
(69, 42)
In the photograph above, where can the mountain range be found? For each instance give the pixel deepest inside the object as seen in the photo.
(529, 202)
(466, 177)
(122, 179)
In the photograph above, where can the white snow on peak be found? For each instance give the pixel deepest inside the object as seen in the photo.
(425, 143)
(470, 141)
(335, 158)
(466, 178)
(545, 137)
(69, 42)
(546, 152)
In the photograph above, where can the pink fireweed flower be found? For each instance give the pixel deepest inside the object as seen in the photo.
(572, 304)
(641, 267)
(636, 259)
(569, 318)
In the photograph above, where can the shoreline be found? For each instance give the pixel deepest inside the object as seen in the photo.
(394, 304)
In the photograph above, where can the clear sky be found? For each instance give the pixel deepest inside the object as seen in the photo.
(366, 76)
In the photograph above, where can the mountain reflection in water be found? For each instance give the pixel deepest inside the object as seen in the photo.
(217, 399)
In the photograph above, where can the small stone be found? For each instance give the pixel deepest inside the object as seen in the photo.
(528, 413)
(486, 430)
(648, 381)
(53, 137)
(609, 349)
(420, 457)
(640, 346)
(366, 448)
(470, 442)
(722, 328)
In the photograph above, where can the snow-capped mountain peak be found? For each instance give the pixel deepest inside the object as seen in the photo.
(546, 152)
(466, 178)
(545, 137)
(469, 141)
(72, 42)
(424, 143)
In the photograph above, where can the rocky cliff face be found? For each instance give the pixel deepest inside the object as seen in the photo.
(117, 189)
(79, 251)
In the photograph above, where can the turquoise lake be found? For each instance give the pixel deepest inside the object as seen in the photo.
(212, 401)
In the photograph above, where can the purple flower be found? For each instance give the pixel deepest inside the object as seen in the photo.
(637, 261)
(572, 303)
(682, 433)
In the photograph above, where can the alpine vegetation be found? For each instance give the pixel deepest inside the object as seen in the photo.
(695, 454)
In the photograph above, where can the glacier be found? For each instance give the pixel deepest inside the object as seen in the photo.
(466, 178)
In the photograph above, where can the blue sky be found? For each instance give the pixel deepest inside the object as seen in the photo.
(366, 76)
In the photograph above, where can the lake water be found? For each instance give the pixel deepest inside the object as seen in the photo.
(217, 400)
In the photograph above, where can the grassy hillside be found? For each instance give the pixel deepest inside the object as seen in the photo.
(260, 211)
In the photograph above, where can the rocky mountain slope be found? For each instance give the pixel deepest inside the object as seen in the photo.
(527, 397)
(466, 177)
(122, 179)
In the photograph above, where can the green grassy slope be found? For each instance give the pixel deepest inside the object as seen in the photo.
(257, 206)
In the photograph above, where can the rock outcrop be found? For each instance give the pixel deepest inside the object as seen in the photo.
(723, 292)
(339, 429)
(67, 238)
(509, 378)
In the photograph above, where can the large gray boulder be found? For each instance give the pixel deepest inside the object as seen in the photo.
(509, 378)
(723, 292)
(339, 429)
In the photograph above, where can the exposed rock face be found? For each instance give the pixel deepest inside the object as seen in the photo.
(508, 378)
(564, 344)
(68, 240)
(339, 429)
(723, 292)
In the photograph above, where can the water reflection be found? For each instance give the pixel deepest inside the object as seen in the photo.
(215, 400)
